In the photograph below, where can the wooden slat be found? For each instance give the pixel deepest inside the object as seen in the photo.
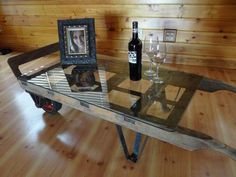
(189, 37)
(172, 48)
(188, 58)
(179, 11)
(53, 2)
(219, 62)
(219, 38)
(202, 50)
(118, 33)
(113, 22)
(30, 31)
(177, 48)
(26, 41)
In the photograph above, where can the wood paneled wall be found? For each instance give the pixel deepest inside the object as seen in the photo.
(206, 28)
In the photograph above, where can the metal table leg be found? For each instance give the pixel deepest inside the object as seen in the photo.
(136, 148)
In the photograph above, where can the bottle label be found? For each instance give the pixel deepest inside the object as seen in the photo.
(132, 55)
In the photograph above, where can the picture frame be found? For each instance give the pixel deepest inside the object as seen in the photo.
(77, 42)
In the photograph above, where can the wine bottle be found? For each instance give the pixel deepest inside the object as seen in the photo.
(135, 55)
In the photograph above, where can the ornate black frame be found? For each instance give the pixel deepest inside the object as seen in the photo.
(90, 56)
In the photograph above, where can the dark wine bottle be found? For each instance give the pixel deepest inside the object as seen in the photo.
(135, 55)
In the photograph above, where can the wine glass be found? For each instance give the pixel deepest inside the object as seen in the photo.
(158, 57)
(151, 44)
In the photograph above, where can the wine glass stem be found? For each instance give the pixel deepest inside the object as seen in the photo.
(157, 71)
(150, 66)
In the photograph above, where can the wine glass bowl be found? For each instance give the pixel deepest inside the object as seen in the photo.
(157, 59)
(151, 43)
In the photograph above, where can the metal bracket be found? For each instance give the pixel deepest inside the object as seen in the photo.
(211, 85)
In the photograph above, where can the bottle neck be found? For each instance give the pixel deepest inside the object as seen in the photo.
(135, 33)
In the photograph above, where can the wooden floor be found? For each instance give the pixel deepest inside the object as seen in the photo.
(73, 144)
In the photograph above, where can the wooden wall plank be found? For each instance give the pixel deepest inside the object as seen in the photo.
(153, 10)
(53, 2)
(125, 34)
(111, 22)
(220, 62)
(207, 38)
(178, 48)
(172, 48)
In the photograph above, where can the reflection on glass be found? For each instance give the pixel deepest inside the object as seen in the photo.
(163, 100)
(83, 80)
(103, 86)
(159, 106)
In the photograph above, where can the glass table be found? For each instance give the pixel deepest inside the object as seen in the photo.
(105, 91)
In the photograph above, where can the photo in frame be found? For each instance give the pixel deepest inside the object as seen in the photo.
(77, 41)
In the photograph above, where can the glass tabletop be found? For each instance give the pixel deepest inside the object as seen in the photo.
(107, 85)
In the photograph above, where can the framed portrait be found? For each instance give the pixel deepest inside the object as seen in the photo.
(77, 41)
